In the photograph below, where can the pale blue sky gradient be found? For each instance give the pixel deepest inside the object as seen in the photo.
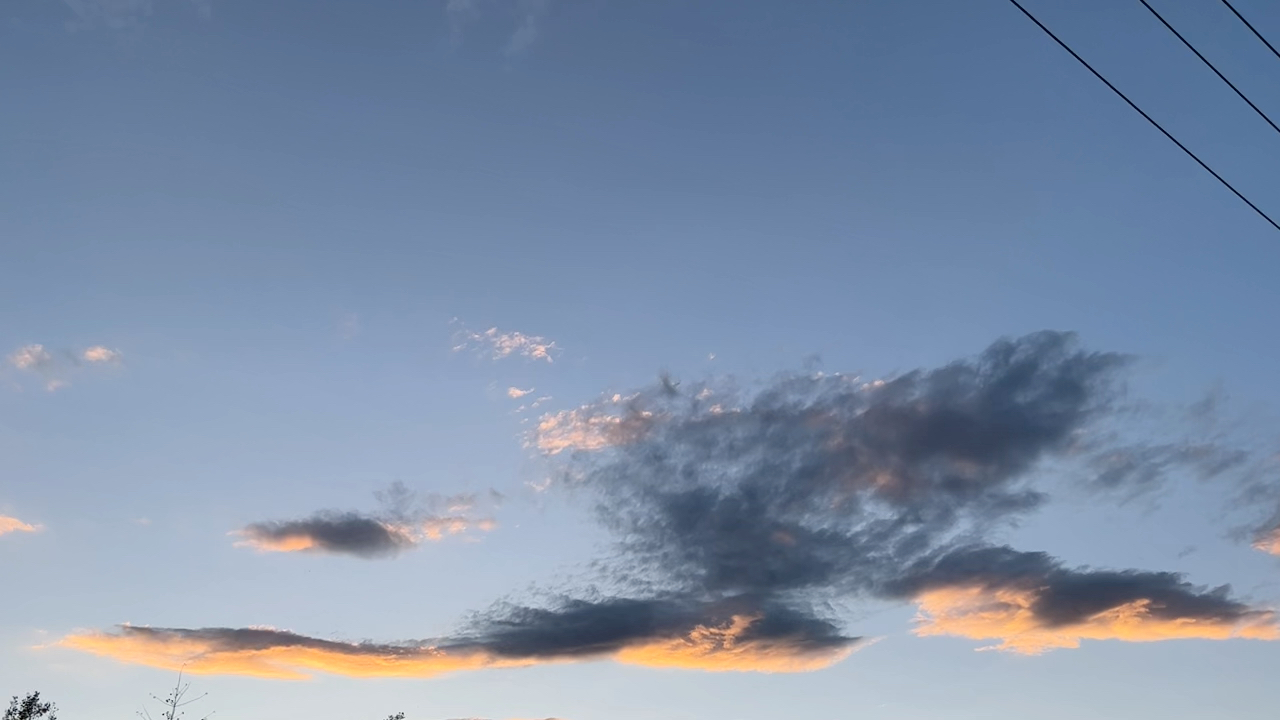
(274, 208)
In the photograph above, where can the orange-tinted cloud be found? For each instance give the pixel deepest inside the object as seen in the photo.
(31, 357)
(100, 354)
(352, 534)
(275, 654)
(499, 344)
(12, 524)
(407, 520)
(1269, 542)
(54, 369)
(1008, 616)
(1030, 604)
(728, 649)
(591, 427)
(348, 533)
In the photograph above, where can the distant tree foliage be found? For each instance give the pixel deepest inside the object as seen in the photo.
(30, 708)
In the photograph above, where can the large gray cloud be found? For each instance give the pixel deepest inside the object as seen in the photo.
(822, 487)
(824, 480)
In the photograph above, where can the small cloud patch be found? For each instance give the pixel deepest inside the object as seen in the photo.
(12, 525)
(498, 344)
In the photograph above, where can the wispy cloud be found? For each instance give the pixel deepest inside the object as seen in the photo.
(526, 32)
(348, 325)
(515, 392)
(114, 14)
(498, 344)
(591, 427)
(1261, 498)
(406, 521)
(528, 13)
(1268, 541)
(460, 13)
(121, 14)
(12, 524)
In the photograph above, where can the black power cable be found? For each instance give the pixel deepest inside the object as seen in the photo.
(1251, 27)
(1148, 118)
(1205, 60)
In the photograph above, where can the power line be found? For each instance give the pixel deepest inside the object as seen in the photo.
(1251, 27)
(1205, 60)
(1148, 118)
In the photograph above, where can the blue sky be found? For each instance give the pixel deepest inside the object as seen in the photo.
(259, 244)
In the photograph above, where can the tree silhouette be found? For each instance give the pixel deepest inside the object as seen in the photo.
(173, 703)
(30, 708)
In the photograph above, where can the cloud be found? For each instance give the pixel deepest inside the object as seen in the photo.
(1268, 541)
(527, 31)
(588, 428)
(822, 486)
(276, 654)
(120, 14)
(406, 521)
(537, 403)
(340, 533)
(528, 13)
(498, 345)
(31, 357)
(1260, 498)
(1031, 604)
(666, 631)
(460, 12)
(12, 524)
(516, 393)
(114, 14)
(743, 520)
(100, 354)
(654, 634)
(348, 325)
(55, 369)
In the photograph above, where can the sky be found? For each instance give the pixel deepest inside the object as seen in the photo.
(601, 360)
